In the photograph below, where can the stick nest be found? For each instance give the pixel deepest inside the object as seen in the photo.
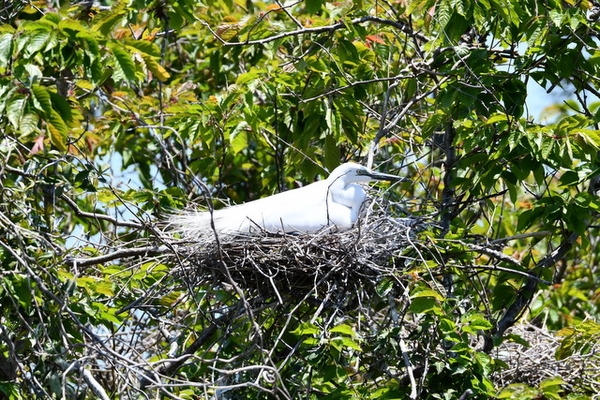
(536, 360)
(285, 265)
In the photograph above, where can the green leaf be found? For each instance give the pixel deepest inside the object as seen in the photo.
(247, 77)
(317, 64)
(57, 131)
(144, 47)
(428, 293)
(343, 329)
(348, 342)
(500, 117)
(56, 120)
(104, 287)
(551, 387)
(72, 25)
(551, 382)
(306, 328)
(124, 62)
(106, 20)
(443, 13)
(93, 48)
(314, 6)
(331, 152)
(423, 305)
(14, 111)
(518, 391)
(6, 45)
(528, 217)
(50, 19)
(239, 138)
(34, 73)
(475, 322)
(36, 42)
(29, 124)
(589, 136)
(41, 99)
(62, 107)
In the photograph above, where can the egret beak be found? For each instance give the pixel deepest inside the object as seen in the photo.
(380, 176)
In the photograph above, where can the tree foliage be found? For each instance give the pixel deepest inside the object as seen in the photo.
(115, 114)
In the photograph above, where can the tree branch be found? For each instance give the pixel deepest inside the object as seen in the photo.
(125, 253)
(319, 29)
(516, 309)
(84, 214)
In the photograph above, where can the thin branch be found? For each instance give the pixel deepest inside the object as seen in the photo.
(64, 307)
(319, 29)
(521, 236)
(84, 214)
(170, 368)
(359, 83)
(78, 211)
(514, 312)
(492, 253)
(384, 129)
(288, 13)
(508, 270)
(94, 385)
(125, 253)
(409, 370)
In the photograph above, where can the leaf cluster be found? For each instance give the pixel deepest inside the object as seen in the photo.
(114, 114)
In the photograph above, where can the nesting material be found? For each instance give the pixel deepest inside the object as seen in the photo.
(377, 245)
(537, 362)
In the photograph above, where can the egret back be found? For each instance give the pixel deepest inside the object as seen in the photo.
(331, 203)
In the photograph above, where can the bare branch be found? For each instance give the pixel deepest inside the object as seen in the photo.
(358, 83)
(521, 236)
(94, 385)
(124, 253)
(492, 253)
(103, 217)
(319, 29)
(504, 269)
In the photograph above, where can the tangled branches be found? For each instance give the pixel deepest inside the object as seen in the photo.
(537, 357)
(290, 265)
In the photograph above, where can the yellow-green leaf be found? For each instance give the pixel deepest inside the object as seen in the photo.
(343, 329)
(306, 328)
(143, 47)
(428, 293)
(157, 70)
(106, 20)
(239, 139)
(29, 124)
(57, 131)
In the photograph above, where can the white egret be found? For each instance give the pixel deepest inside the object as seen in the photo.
(333, 203)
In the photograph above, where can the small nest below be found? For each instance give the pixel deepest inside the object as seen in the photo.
(531, 364)
(294, 265)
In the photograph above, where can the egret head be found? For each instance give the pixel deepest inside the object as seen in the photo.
(352, 172)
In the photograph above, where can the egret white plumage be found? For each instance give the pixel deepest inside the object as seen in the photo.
(332, 203)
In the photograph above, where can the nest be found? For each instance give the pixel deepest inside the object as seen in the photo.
(294, 265)
(536, 361)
